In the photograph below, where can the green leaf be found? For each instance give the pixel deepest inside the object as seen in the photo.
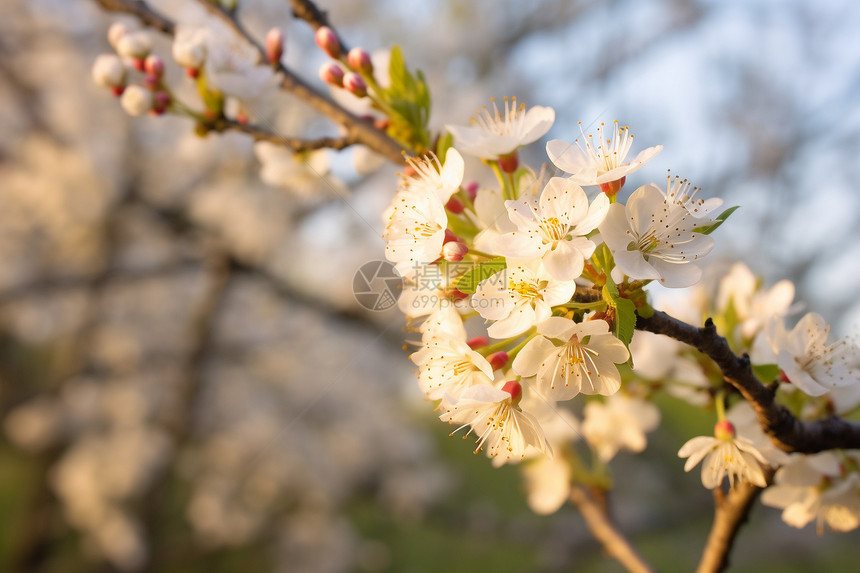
(469, 282)
(462, 227)
(766, 372)
(443, 144)
(625, 312)
(721, 218)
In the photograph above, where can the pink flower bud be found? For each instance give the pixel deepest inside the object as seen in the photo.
(454, 252)
(613, 187)
(327, 40)
(381, 123)
(161, 100)
(514, 389)
(274, 46)
(153, 65)
(192, 73)
(117, 90)
(450, 236)
(498, 360)
(509, 163)
(472, 190)
(454, 205)
(359, 60)
(724, 430)
(457, 294)
(354, 84)
(151, 81)
(332, 74)
(478, 342)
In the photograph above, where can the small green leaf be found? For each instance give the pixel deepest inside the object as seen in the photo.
(462, 227)
(721, 218)
(766, 372)
(469, 282)
(443, 144)
(625, 312)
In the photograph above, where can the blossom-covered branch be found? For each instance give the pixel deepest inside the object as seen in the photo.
(357, 130)
(786, 430)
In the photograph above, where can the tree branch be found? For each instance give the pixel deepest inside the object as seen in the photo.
(259, 133)
(787, 432)
(357, 130)
(592, 506)
(731, 512)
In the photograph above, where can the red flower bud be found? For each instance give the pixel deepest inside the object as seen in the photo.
(332, 74)
(478, 342)
(498, 360)
(514, 389)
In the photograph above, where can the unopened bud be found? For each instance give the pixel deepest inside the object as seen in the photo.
(354, 84)
(454, 205)
(454, 252)
(161, 101)
(514, 389)
(192, 73)
(242, 118)
(472, 190)
(724, 430)
(109, 71)
(478, 342)
(134, 45)
(498, 360)
(457, 294)
(359, 60)
(153, 65)
(327, 40)
(381, 123)
(116, 31)
(509, 163)
(450, 236)
(274, 46)
(151, 81)
(613, 187)
(332, 74)
(136, 100)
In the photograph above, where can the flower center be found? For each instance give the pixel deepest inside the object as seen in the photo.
(553, 229)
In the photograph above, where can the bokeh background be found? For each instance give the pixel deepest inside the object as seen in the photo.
(186, 381)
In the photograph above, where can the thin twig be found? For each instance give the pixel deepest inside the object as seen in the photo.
(731, 511)
(592, 506)
(356, 129)
(786, 431)
(259, 133)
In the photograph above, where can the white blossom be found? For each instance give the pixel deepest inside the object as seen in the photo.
(619, 423)
(651, 239)
(804, 357)
(584, 361)
(753, 305)
(501, 426)
(136, 100)
(519, 297)
(109, 71)
(817, 488)
(725, 455)
(492, 135)
(555, 230)
(602, 161)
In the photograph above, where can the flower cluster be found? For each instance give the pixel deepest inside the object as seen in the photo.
(526, 296)
(552, 271)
